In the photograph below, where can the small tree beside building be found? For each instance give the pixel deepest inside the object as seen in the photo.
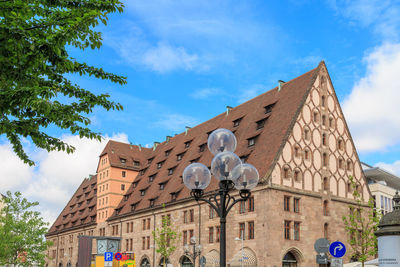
(166, 238)
(22, 232)
(361, 224)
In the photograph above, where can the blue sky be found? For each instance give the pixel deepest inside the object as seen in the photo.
(187, 60)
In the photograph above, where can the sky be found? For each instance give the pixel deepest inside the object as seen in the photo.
(185, 61)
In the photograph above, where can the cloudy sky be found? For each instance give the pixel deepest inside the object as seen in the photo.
(187, 60)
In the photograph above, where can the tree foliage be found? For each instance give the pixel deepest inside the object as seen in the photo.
(35, 91)
(361, 224)
(166, 238)
(22, 232)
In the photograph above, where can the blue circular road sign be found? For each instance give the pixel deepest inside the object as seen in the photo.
(337, 249)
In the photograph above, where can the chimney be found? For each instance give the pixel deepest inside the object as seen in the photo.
(155, 145)
(187, 129)
(281, 83)
(228, 109)
(168, 138)
(140, 147)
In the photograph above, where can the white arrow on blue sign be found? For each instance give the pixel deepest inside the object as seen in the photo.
(108, 256)
(337, 249)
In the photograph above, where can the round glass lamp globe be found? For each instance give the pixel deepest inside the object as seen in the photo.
(245, 176)
(196, 176)
(221, 140)
(223, 164)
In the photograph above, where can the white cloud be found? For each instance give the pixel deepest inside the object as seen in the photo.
(251, 92)
(206, 93)
(382, 15)
(176, 122)
(372, 109)
(164, 58)
(57, 174)
(391, 167)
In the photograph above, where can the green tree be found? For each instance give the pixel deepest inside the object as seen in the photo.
(36, 89)
(361, 224)
(22, 232)
(166, 238)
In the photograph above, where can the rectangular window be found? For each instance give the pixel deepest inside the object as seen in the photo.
(148, 242)
(143, 243)
(296, 205)
(123, 173)
(210, 234)
(236, 122)
(242, 207)
(287, 230)
(218, 234)
(202, 147)
(148, 224)
(184, 239)
(261, 123)
(242, 228)
(210, 213)
(251, 203)
(251, 230)
(191, 215)
(122, 187)
(185, 217)
(286, 203)
(251, 141)
(296, 232)
(268, 109)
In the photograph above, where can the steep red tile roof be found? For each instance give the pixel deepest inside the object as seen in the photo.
(80, 210)
(284, 106)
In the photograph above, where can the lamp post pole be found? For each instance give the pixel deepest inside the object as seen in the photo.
(196, 250)
(231, 173)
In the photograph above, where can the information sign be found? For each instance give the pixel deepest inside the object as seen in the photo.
(322, 259)
(336, 262)
(108, 256)
(337, 249)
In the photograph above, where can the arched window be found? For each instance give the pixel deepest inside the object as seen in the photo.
(326, 208)
(316, 117)
(340, 144)
(326, 184)
(306, 154)
(324, 139)
(307, 134)
(289, 260)
(325, 159)
(326, 230)
(296, 151)
(331, 122)
(323, 101)
(145, 263)
(297, 175)
(186, 262)
(286, 172)
(341, 163)
(323, 120)
(349, 165)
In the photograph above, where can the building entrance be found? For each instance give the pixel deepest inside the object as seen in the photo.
(186, 262)
(289, 260)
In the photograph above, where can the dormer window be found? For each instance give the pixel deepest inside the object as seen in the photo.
(261, 123)
(134, 185)
(187, 144)
(88, 201)
(136, 163)
(123, 161)
(78, 197)
(133, 206)
(152, 177)
(244, 158)
(84, 189)
(79, 204)
(195, 160)
(126, 197)
(237, 122)
(91, 208)
(65, 217)
(202, 147)
(150, 160)
(171, 171)
(71, 207)
(173, 196)
(93, 218)
(179, 156)
(252, 141)
(160, 164)
(142, 192)
(142, 171)
(168, 152)
(117, 211)
(86, 194)
(268, 109)
(152, 202)
(162, 186)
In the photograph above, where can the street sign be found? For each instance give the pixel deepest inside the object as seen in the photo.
(203, 261)
(108, 256)
(118, 256)
(337, 249)
(322, 258)
(336, 262)
(321, 245)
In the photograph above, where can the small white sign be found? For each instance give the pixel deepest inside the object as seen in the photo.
(108, 264)
(169, 265)
(336, 262)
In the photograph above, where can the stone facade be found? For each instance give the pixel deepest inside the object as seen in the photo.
(302, 195)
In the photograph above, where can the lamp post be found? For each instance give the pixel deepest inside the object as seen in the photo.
(226, 167)
(196, 250)
(241, 239)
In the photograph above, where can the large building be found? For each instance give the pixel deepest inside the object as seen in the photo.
(297, 138)
(383, 186)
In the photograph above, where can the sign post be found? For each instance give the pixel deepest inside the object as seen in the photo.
(322, 247)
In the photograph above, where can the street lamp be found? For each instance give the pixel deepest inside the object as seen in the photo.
(196, 250)
(241, 239)
(226, 167)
